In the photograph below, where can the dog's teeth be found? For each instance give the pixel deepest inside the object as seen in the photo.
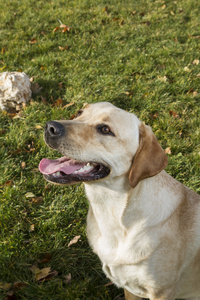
(86, 168)
(57, 174)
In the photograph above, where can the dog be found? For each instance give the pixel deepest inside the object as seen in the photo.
(142, 223)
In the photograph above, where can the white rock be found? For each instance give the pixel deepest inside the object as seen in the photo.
(15, 89)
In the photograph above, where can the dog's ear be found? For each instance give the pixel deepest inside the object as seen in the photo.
(150, 158)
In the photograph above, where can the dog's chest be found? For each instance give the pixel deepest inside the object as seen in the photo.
(112, 243)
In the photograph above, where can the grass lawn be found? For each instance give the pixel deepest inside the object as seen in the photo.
(142, 56)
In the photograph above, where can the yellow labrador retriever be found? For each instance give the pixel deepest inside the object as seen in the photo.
(143, 224)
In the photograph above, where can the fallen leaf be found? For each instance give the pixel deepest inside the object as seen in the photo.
(37, 200)
(74, 240)
(68, 105)
(32, 228)
(58, 102)
(105, 9)
(34, 269)
(47, 257)
(56, 29)
(3, 50)
(68, 278)
(173, 114)
(11, 296)
(196, 62)
(168, 150)
(65, 26)
(19, 115)
(18, 285)
(33, 41)
(60, 85)
(109, 283)
(186, 69)
(43, 274)
(66, 29)
(63, 48)
(5, 286)
(36, 88)
(38, 127)
(32, 79)
(51, 275)
(190, 91)
(23, 165)
(2, 131)
(133, 12)
(154, 115)
(29, 195)
(8, 183)
(163, 79)
(43, 100)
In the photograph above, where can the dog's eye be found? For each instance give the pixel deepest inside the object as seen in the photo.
(104, 129)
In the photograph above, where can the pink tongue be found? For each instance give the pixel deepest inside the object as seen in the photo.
(64, 164)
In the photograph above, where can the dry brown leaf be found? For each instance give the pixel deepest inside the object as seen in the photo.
(47, 257)
(173, 114)
(32, 228)
(29, 195)
(66, 29)
(3, 50)
(58, 102)
(43, 274)
(56, 29)
(38, 127)
(109, 283)
(68, 105)
(74, 240)
(18, 285)
(64, 26)
(8, 183)
(168, 150)
(68, 278)
(23, 165)
(60, 85)
(43, 100)
(5, 286)
(196, 62)
(36, 88)
(37, 200)
(105, 9)
(32, 79)
(63, 48)
(33, 41)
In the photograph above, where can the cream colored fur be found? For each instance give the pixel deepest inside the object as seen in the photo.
(143, 224)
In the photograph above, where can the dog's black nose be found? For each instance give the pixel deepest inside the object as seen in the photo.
(54, 129)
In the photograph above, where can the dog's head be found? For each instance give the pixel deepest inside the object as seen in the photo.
(102, 140)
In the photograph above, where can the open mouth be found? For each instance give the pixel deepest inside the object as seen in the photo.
(68, 171)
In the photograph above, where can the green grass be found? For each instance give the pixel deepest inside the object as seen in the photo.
(131, 53)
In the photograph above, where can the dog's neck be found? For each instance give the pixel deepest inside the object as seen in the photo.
(146, 200)
(121, 215)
